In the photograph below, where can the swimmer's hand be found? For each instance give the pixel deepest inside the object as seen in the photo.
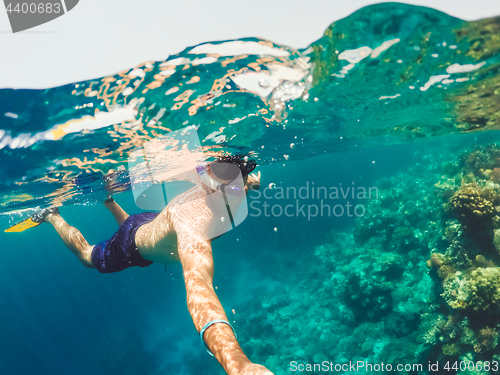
(255, 369)
(112, 183)
(108, 185)
(253, 181)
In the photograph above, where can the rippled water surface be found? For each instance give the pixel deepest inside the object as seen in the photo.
(384, 74)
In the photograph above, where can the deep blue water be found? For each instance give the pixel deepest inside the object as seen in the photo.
(58, 317)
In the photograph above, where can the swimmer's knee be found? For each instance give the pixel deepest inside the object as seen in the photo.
(87, 264)
(86, 257)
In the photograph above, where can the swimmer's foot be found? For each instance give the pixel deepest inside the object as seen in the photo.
(34, 220)
(39, 217)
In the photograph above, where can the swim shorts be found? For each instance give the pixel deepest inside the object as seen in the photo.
(120, 251)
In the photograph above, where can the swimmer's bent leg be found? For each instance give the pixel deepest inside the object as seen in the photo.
(72, 238)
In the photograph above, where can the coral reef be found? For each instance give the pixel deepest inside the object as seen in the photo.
(474, 207)
(416, 279)
(466, 264)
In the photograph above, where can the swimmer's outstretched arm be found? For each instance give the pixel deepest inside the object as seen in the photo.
(119, 214)
(204, 306)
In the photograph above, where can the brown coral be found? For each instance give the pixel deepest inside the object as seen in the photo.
(436, 261)
(484, 284)
(446, 271)
(482, 262)
(451, 349)
(495, 175)
(473, 207)
(481, 161)
(452, 326)
(487, 339)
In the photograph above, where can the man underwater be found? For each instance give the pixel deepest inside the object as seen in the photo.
(182, 231)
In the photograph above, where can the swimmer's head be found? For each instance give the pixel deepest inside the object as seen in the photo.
(224, 167)
(224, 172)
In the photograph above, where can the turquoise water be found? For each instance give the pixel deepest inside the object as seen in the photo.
(400, 99)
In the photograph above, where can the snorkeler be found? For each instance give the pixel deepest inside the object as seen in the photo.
(182, 231)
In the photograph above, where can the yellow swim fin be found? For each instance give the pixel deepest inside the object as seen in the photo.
(23, 225)
(33, 221)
